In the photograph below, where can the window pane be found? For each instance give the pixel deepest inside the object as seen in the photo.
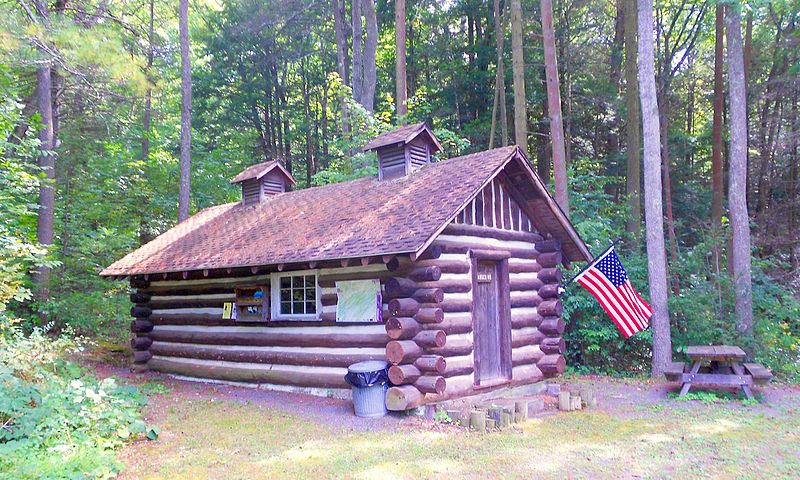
(297, 282)
(311, 294)
(286, 308)
(311, 307)
(286, 295)
(297, 294)
(286, 282)
(310, 281)
(297, 307)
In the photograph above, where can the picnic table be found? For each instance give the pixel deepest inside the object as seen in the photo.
(717, 366)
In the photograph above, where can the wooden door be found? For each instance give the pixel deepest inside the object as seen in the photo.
(491, 354)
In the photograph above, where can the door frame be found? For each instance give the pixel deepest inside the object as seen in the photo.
(500, 257)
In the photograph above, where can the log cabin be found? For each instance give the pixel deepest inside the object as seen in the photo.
(448, 270)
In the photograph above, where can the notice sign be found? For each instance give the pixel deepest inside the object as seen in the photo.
(227, 310)
(484, 277)
(359, 301)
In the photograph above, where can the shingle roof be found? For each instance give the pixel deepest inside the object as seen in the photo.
(401, 135)
(364, 217)
(259, 170)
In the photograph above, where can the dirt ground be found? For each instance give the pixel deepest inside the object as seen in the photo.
(636, 431)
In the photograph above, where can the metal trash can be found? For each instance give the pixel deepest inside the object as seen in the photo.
(370, 381)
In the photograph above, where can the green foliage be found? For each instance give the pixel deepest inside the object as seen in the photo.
(56, 421)
(701, 312)
(441, 416)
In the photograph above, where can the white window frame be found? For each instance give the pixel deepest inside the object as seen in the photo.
(275, 296)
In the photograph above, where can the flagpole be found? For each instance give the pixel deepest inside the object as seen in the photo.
(590, 264)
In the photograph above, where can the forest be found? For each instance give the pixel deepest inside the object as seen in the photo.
(671, 129)
(120, 118)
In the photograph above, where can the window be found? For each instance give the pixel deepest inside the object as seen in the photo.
(296, 296)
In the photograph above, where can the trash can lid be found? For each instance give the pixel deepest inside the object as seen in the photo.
(368, 366)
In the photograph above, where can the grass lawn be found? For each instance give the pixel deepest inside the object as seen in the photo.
(232, 438)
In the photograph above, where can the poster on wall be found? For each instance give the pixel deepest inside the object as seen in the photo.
(359, 301)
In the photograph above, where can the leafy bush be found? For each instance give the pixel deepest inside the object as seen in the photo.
(56, 421)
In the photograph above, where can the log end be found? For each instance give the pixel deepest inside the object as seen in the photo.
(403, 398)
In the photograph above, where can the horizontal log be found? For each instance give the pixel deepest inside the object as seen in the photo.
(329, 299)
(335, 336)
(430, 253)
(550, 308)
(404, 397)
(314, 377)
(549, 245)
(452, 324)
(452, 266)
(333, 357)
(192, 291)
(453, 348)
(399, 287)
(485, 252)
(393, 264)
(457, 387)
(141, 326)
(431, 384)
(451, 305)
(428, 295)
(550, 260)
(524, 267)
(329, 281)
(403, 307)
(141, 356)
(526, 336)
(141, 312)
(431, 339)
(425, 274)
(450, 285)
(457, 366)
(525, 283)
(553, 326)
(529, 354)
(402, 351)
(197, 319)
(552, 365)
(431, 364)
(140, 297)
(141, 342)
(525, 299)
(429, 315)
(328, 316)
(526, 374)
(553, 345)
(488, 232)
(525, 317)
(550, 291)
(403, 374)
(402, 328)
(550, 275)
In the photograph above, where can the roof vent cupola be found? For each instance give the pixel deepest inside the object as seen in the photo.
(404, 150)
(263, 180)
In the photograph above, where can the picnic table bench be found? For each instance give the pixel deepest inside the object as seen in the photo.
(717, 366)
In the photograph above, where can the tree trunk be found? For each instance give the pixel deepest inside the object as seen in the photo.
(370, 53)
(633, 127)
(341, 55)
(554, 106)
(500, 79)
(666, 168)
(358, 51)
(186, 113)
(737, 191)
(654, 218)
(401, 96)
(47, 162)
(148, 94)
(717, 190)
(518, 67)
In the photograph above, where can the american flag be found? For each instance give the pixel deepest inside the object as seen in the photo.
(607, 280)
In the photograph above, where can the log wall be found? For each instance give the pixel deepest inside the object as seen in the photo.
(423, 370)
(178, 328)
